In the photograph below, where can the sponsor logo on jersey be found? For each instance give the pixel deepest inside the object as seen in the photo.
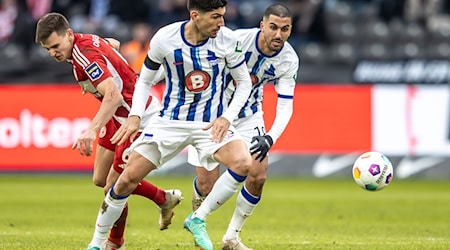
(94, 71)
(197, 81)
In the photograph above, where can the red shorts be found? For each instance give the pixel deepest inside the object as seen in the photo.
(120, 151)
(121, 155)
(106, 133)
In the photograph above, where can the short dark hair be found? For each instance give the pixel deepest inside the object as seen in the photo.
(49, 23)
(279, 10)
(205, 5)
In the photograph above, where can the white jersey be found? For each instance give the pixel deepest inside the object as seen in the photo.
(280, 68)
(194, 73)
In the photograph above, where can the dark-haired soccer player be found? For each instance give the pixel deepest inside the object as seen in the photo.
(269, 58)
(194, 55)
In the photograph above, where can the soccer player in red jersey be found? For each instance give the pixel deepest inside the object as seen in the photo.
(103, 72)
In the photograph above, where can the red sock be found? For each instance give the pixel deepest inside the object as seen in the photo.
(118, 230)
(151, 192)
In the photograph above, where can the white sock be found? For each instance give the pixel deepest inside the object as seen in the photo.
(225, 187)
(109, 213)
(245, 204)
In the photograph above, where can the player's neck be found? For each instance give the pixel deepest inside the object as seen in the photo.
(193, 35)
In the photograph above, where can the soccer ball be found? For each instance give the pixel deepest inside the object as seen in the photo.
(372, 171)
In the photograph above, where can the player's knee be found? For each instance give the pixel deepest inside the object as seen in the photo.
(241, 165)
(99, 182)
(126, 184)
(256, 182)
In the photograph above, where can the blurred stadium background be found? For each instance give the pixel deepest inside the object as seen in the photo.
(373, 75)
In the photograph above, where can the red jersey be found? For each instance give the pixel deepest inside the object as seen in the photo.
(94, 60)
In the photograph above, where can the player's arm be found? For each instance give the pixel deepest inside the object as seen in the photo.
(219, 127)
(149, 76)
(112, 99)
(285, 87)
(284, 110)
(243, 89)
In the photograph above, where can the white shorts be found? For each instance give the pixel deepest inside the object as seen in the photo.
(163, 139)
(247, 127)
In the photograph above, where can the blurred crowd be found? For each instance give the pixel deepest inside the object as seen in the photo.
(324, 31)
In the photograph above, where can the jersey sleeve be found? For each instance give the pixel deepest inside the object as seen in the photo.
(234, 53)
(286, 83)
(157, 47)
(285, 87)
(93, 64)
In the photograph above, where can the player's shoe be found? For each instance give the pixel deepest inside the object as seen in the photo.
(92, 248)
(197, 227)
(108, 245)
(196, 200)
(173, 198)
(234, 244)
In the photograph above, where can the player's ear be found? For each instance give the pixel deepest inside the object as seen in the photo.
(69, 32)
(194, 14)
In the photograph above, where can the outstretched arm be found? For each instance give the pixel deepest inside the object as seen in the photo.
(112, 99)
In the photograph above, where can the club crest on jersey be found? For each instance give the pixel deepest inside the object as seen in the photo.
(94, 71)
(213, 61)
(197, 81)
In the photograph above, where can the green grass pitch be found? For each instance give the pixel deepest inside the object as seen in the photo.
(59, 212)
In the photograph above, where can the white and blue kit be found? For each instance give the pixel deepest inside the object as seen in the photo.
(281, 69)
(194, 93)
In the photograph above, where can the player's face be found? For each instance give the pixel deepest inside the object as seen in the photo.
(209, 23)
(59, 46)
(275, 31)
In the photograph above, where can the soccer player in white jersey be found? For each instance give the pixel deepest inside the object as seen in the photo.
(194, 54)
(269, 58)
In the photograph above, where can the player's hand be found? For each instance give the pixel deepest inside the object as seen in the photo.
(261, 147)
(128, 130)
(85, 142)
(219, 128)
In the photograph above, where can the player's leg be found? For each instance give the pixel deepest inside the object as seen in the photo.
(166, 200)
(250, 193)
(145, 157)
(204, 180)
(234, 154)
(202, 185)
(103, 162)
(116, 198)
(236, 157)
(104, 155)
(104, 176)
(246, 202)
(116, 235)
